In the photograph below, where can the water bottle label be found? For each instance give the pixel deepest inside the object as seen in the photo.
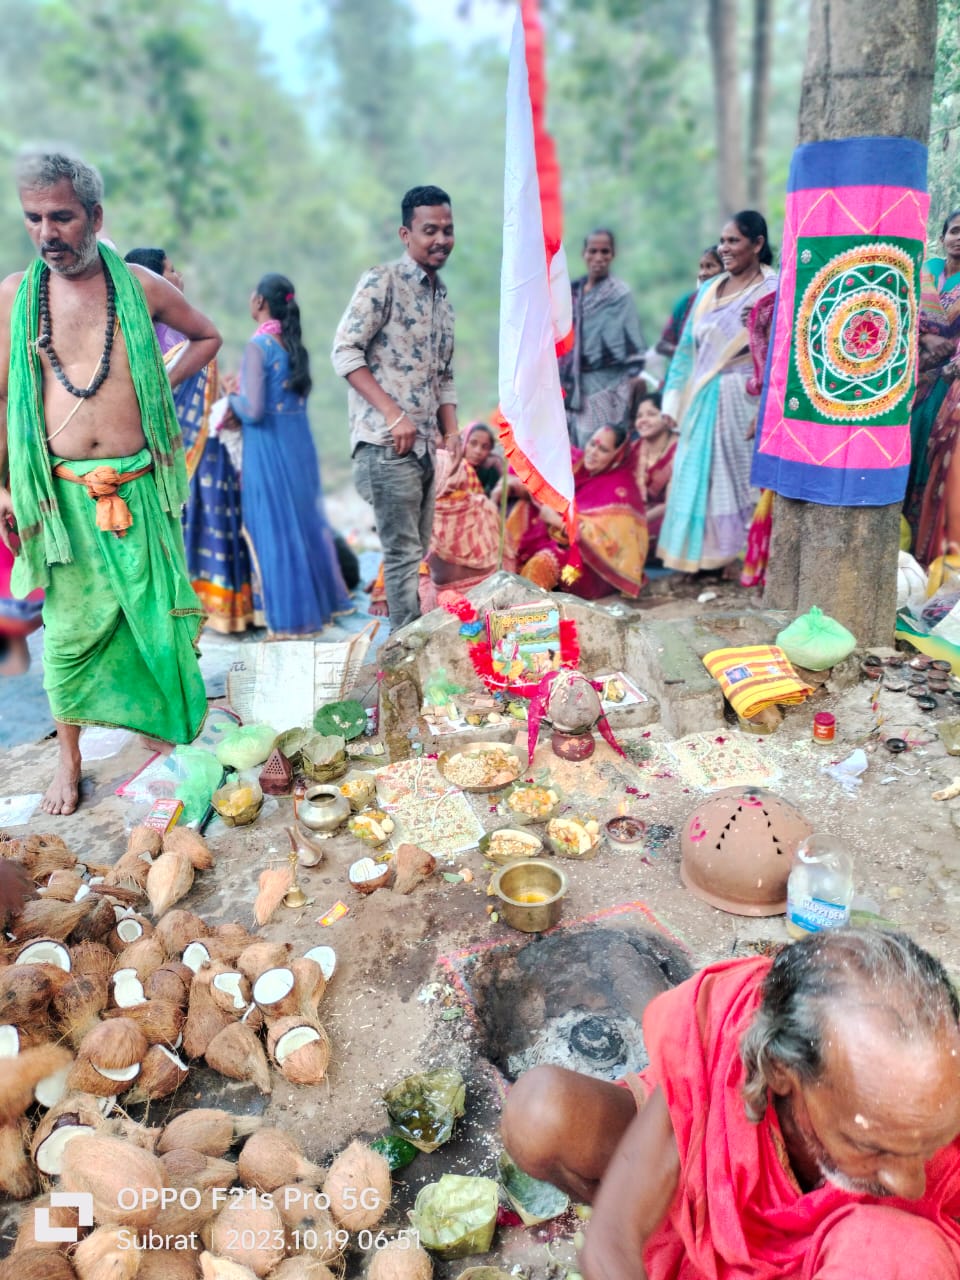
(813, 914)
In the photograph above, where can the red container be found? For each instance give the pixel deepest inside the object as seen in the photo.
(824, 727)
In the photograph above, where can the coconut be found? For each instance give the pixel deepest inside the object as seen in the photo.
(300, 1049)
(184, 840)
(237, 1053)
(367, 875)
(129, 872)
(204, 1021)
(274, 883)
(104, 1167)
(26, 991)
(161, 1021)
(184, 1167)
(127, 930)
(143, 842)
(301, 1266)
(47, 853)
(305, 1220)
(97, 920)
(74, 1117)
(214, 1268)
(232, 934)
(230, 991)
(162, 1072)
(114, 1047)
(414, 865)
(206, 1129)
(127, 989)
(9, 1041)
(106, 1255)
(170, 982)
(169, 1264)
(358, 1167)
(140, 1135)
(276, 994)
(271, 1157)
(257, 1225)
(400, 1260)
(37, 1264)
(85, 1078)
(177, 928)
(311, 984)
(53, 1088)
(60, 1217)
(254, 1018)
(63, 885)
(42, 918)
(168, 880)
(78, 1004)
(21, 1075)
(326, 958)
(92, 958)
(260, 956)
(144, 956)
(45, 951)
(18, 1176)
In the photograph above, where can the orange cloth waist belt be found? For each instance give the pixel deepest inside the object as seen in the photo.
(102, 483)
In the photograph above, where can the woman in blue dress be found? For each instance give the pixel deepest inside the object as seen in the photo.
(298, 585)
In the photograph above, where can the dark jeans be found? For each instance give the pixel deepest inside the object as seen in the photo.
(401, 492)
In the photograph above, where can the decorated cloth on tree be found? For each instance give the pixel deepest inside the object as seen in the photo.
(841, 371)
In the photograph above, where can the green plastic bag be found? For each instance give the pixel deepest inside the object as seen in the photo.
(246, 746)
(816, 641)
(200, 773)
(457, 1215)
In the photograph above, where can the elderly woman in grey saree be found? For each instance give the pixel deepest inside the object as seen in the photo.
(607, 345)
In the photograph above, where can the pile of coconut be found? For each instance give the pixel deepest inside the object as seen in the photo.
(99, 1002)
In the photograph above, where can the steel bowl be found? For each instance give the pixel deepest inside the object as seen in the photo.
(531, 894)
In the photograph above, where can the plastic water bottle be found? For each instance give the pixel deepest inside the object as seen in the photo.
(820, 888)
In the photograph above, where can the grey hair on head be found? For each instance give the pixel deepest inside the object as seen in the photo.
(831, 973)
(42, 167)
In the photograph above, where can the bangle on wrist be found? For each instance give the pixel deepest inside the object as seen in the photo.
(396, 422)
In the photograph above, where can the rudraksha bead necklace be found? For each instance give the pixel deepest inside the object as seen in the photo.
(45, 339)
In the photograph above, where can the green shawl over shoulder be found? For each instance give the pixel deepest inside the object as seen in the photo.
(43, 535)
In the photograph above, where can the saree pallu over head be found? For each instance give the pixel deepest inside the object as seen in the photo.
(43, 533)
(841, 371)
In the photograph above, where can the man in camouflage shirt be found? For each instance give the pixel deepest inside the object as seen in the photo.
(394, 346)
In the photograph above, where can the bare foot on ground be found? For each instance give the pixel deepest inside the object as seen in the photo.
(63, 794)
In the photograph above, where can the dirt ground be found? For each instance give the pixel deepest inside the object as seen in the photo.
(401, 999)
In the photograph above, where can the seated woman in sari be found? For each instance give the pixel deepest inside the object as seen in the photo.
(930, 429)
(478, 446)
(611, 543)
(217, 557)
(655, 453)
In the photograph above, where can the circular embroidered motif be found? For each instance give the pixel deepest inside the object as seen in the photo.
(855, 337)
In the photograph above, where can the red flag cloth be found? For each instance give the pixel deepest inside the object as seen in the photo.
(739, 1213)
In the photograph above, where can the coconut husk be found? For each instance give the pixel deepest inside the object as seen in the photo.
(274, 884)
(262, 955)
(413, 866)
(78, 1005)
(400, 1260)
(75, 1110)
(235, 1223)
(178, 928)
(302, 1266)
(59, 1216)
(118, 894)
(209, 1130)
(358, 1166)
(140, 1135)
(204, 1021)
(20, 1076)
(161, 1021)
(298, 1206)
(237, 1053)
(168, 880)
(37, 1264)
(162, 1072)
(310, 985)
(306, 1065)
(187, 1167)
(47, 918)
(169, 1264)
(129, 873)
(115, 1044)
(119, 937)
(234, 933)
(184, 840)
(271, 1157)
(169, 982)
(47, 853)
(145, 955)
(106, 1255)
(103, 1167)
(233, 999)
(215, 1268)
(91, 958)
(143, 841)
(63, 885)
(18, 1174)
(96, 922)
(26, 991)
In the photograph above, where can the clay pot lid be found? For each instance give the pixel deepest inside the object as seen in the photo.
(737, 848)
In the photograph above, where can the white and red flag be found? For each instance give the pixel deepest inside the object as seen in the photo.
(535, 307)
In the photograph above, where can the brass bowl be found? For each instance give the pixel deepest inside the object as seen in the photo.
(531, 893)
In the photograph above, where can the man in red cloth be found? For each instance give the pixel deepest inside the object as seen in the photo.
(799, 1120)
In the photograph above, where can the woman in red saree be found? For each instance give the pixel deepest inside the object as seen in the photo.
(611, 543)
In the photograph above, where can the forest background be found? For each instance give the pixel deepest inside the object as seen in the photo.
(213, 149)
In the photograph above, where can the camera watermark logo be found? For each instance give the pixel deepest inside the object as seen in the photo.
(82, 1201)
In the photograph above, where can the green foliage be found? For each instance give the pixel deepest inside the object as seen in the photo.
(944, 178)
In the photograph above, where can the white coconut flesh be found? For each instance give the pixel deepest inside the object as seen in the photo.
(174, 1058)
(195, 956)
(9, 1041)
(364, 870)
(229, 984)
(129, 930)
(45, 951)
(120, 1074)
(273, 985)
(293, 1040)
(53, 1089)
(128, 989)
(120, 913)
(326, 958)
(49, 1156)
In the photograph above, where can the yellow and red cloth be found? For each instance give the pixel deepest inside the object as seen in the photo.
(754, 677)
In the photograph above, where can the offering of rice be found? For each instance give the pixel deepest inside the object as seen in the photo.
(481, 767)
(532, 803)
(372, 826)
(573, 838)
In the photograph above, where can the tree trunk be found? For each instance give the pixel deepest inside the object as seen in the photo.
(759, 104)
(869, 70)
(722, 33)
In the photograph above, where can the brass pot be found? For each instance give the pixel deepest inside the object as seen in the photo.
(323, 809)
(531, 893)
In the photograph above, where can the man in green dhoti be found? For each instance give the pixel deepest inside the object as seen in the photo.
(90, 443)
